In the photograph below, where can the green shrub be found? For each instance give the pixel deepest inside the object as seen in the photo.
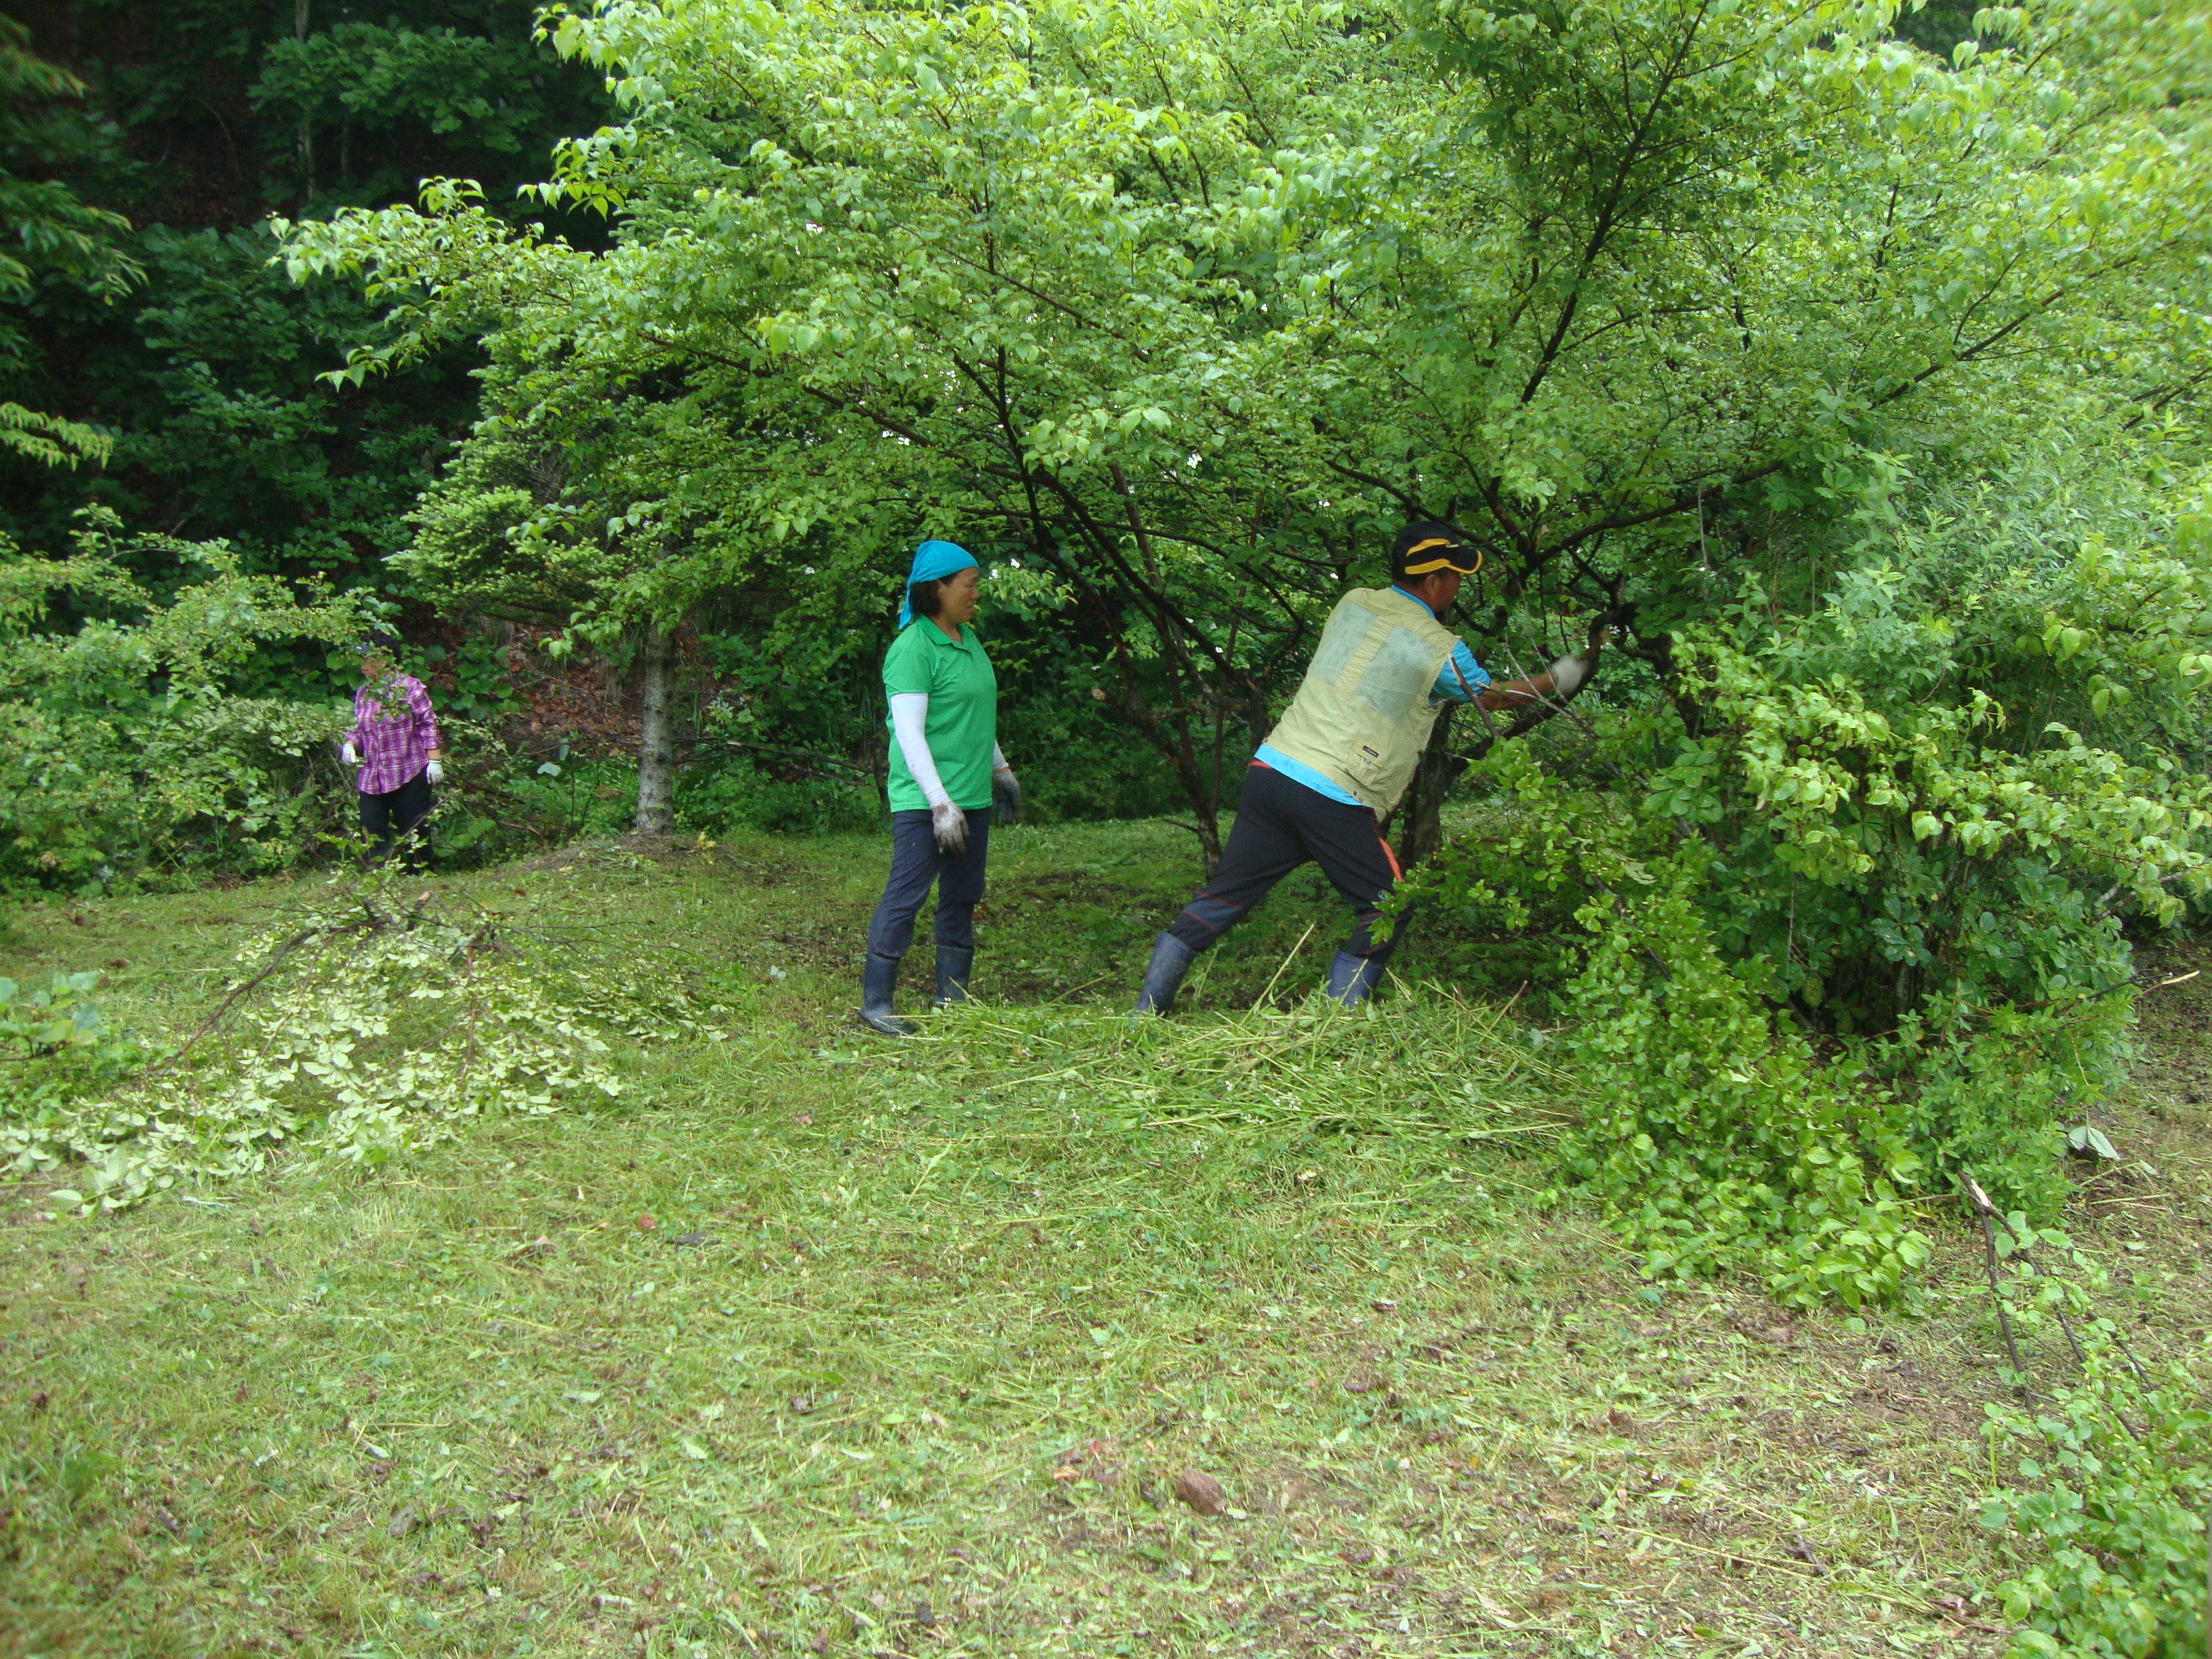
(124, 751)
(57, 1034)
(734, 795)
(1713, 1131)
(57, 1052)
(1836, 919)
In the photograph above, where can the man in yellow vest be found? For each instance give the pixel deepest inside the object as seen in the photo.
(1341, 756)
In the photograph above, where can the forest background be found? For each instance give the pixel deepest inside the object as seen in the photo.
(146, 148)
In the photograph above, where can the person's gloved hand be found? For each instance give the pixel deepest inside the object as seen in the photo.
(435, 772)
(1006, 796)
(348, 754)
(949, 825)
(1568, 674)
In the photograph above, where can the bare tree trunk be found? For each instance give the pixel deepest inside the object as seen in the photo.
(1190, 769)
(1171, 736)
(656, 748)
(1420, 817)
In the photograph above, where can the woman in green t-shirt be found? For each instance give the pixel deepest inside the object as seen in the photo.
(946, 773)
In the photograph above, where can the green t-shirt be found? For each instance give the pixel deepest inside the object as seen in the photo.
(962, 726)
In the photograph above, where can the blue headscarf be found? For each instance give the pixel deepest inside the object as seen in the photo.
(932, 562)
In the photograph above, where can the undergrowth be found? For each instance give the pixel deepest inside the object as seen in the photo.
(853, 1348)
(1747, 1117)
(2109, 1481)
(370, 1025)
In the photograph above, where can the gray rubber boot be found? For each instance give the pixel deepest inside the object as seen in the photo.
(1351, 979)
(878, 980)
(955, 965)
(1172, 960)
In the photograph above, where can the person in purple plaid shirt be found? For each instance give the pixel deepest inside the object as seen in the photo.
(395, 743)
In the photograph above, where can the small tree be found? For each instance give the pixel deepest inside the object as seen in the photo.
(543, 522)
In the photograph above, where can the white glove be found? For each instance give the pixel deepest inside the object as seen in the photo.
(1569, 673)
(435, 772)
(348, 754)
(1006, 796)
(950, 824)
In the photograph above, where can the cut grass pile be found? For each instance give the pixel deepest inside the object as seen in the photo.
(848, 1347)
(1434, 1066)
(363, 1024)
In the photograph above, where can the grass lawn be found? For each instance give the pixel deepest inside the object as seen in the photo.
(817, 1343)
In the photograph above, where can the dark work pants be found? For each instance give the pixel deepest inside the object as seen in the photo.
(1279, 826)
(916, 862)
(398, 815)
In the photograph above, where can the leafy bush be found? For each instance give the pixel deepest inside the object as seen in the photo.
(1845, 916)
(1715, 1128)
(557, 800)
(737, 795)
(123, 750)
(55, 1049)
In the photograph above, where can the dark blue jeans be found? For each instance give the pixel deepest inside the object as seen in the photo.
(1281, 824)
(916, 862)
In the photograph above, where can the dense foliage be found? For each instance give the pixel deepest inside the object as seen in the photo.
(140, 147)
(1852, 385)
(1855, 387)
(55, 240)
(124, 749)
(1904, 835)
(1845, 366)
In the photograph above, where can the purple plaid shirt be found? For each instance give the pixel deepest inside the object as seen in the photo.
(393, 744)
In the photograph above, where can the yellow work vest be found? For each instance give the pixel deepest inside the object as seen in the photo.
(1363, 713)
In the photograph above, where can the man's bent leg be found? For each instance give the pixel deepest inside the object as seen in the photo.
(1263, 847)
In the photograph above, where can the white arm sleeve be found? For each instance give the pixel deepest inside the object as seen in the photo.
(909, 710)
(999, 759)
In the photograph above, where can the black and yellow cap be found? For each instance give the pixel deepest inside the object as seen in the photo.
(1427, 546)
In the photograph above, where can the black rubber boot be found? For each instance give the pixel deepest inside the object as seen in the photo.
(954, 963)
(878, 979)
(1351, 978)
(1172, 960)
